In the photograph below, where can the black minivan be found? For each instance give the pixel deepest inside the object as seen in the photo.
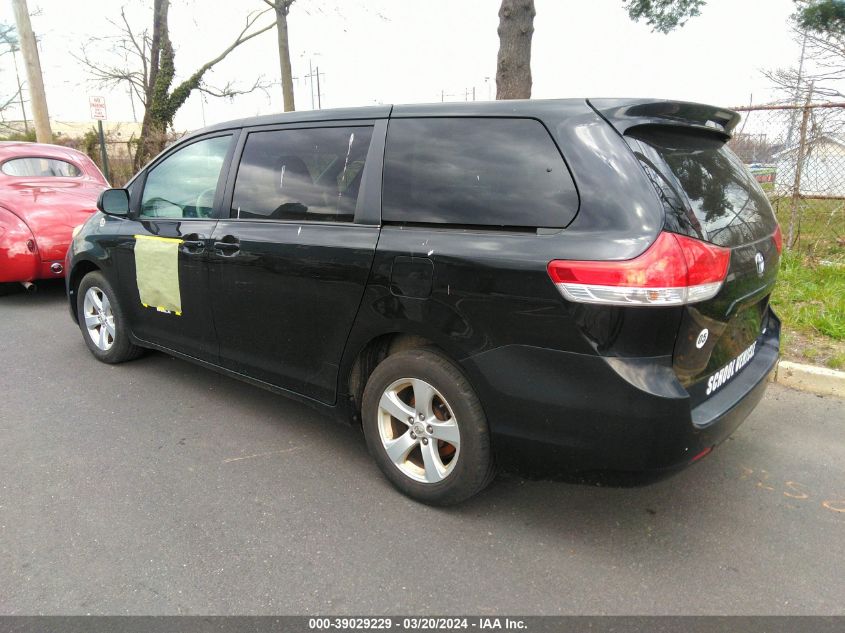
(562, 285)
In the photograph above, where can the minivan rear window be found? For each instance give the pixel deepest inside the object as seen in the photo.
(706, 191)
(476, 171)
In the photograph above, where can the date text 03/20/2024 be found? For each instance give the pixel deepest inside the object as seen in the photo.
(416, 623)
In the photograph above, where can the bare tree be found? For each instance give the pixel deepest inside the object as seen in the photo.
(822, 63)
(8, 46)
(144, 60)
(819, 26)
(820, 71)
(7, 37)
(281, 9)
(516, 28)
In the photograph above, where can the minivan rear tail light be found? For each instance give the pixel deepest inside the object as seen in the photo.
(675, 270)
(777, 238)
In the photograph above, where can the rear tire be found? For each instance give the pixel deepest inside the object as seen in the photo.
(102, 321)
(426, 429)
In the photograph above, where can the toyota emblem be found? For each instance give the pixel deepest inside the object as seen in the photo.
(761, 264)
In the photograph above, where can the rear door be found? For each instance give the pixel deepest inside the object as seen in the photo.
(290, 263)
(708, 194)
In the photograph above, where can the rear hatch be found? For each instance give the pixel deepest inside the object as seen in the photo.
(708, 194)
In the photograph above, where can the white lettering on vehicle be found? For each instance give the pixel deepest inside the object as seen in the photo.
(731, 369)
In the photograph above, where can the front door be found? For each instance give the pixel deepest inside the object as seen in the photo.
(163, 262)
(289, 266)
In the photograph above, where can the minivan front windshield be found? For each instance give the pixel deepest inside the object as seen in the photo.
(706, 190)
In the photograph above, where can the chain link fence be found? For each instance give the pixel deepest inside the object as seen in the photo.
(797, 154)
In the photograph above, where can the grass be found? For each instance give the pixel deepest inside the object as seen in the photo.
(810, 295)
(821, 231)
(810, 300)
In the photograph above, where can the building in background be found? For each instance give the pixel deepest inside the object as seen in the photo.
(823, 171)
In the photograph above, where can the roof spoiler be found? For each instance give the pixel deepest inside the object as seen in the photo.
(624, 114)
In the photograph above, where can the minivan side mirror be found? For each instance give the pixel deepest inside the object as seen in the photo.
(114, 202)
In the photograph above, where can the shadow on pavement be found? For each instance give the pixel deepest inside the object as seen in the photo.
(557, 511)
(46, 291)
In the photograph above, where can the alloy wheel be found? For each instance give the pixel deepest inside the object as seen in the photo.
(418, 430)
(99, 318)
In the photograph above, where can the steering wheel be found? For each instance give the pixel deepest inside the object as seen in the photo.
(205, 202)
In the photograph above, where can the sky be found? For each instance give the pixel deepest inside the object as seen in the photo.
(407, 51)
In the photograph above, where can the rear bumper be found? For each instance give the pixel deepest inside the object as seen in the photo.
(18, 265)
(556, 413)
(28, 267)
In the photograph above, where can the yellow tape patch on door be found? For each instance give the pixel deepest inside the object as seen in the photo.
(157, 272)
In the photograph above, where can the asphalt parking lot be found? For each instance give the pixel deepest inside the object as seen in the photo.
(159, 487)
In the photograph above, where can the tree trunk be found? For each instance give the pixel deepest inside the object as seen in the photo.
(513, 66)
(37, 96)
(162, 102)
(146, 145)
(282, 9)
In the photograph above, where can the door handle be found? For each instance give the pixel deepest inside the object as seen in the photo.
(193, 244)
(227, 248)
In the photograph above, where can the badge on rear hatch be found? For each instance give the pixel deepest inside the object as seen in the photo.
(730, 370)
(761, 264)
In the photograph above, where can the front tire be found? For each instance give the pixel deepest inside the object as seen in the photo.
(426, 429)
(102, 321)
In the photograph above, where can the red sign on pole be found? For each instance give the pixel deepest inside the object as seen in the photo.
(98, 108)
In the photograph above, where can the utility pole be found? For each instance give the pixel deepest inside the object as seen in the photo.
(311, 77)
(29, 48)
(312, 74)
(15, 50)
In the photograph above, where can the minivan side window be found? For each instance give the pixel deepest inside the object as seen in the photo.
(183, 184)
(301, 174)
(476, 171)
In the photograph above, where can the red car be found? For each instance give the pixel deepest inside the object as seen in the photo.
(45, 191)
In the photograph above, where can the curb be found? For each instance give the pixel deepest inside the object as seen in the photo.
(819, 380)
